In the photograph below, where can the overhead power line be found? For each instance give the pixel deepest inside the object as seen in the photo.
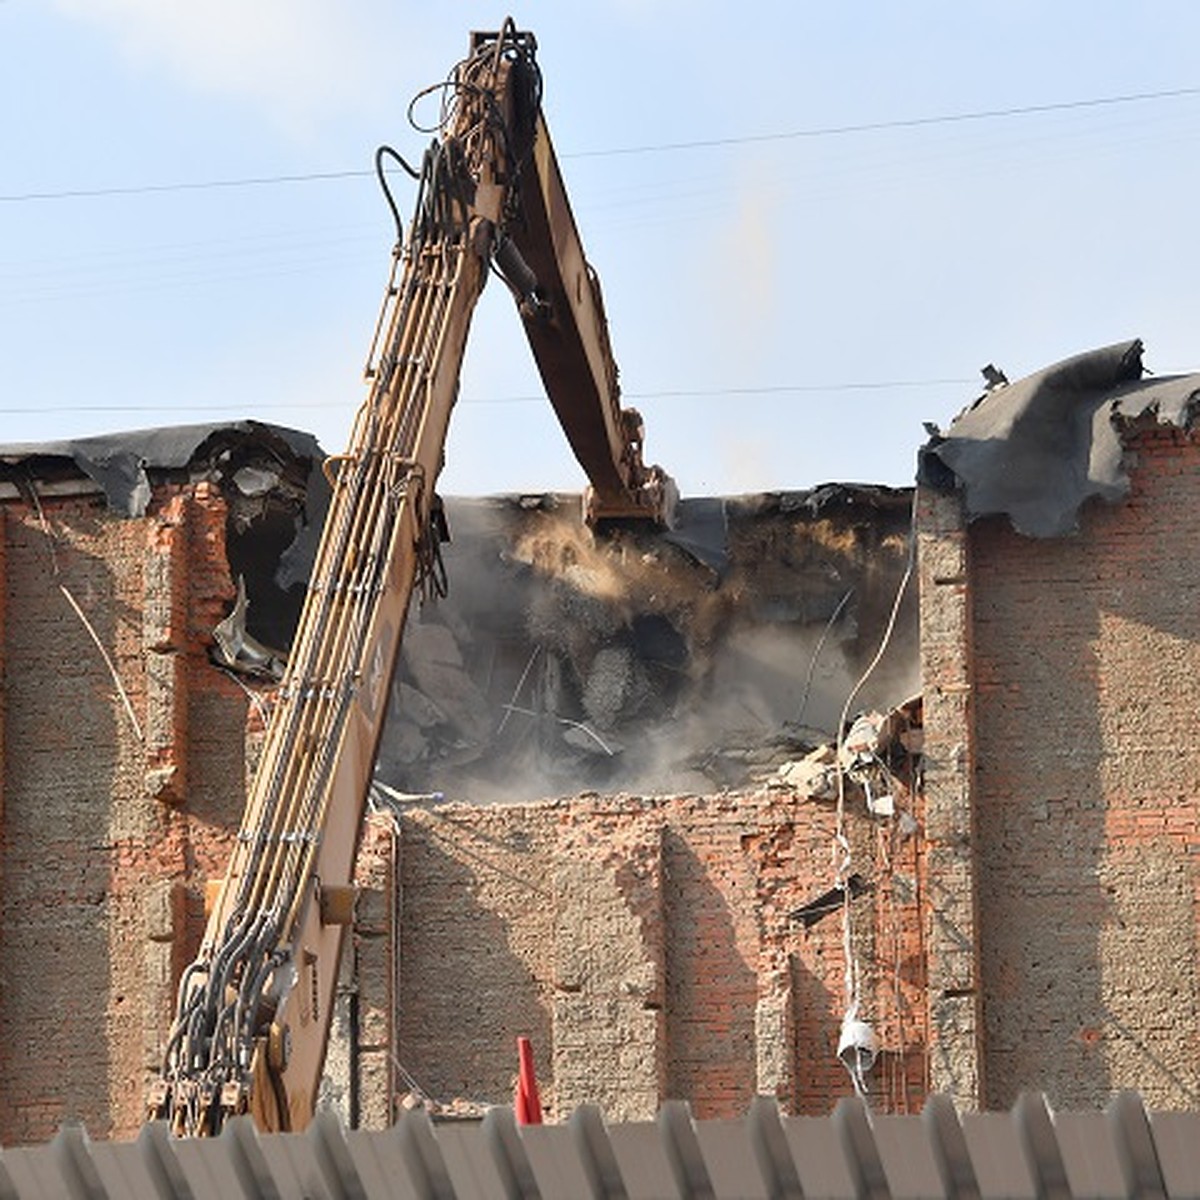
(823, 131)
(880, 385)
(204, 185)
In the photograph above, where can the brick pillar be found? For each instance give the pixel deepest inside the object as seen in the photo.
(3, 667)
(165, 643)
(164, 653)
(955, 1002)
(775, 1031)
(609, 976)
(373, 989)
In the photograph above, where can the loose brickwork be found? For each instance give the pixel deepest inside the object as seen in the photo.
(645, 946)
(649, 944)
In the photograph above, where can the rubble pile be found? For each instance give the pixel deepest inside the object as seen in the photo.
(692, 660)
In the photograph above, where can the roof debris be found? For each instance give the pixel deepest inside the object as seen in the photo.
(1037, 449)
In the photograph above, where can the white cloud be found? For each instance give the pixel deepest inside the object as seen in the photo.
(295, 59)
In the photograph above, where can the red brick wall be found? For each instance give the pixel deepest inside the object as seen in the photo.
(752, 1001)
(1087, 688)
(645, 945)
(102, 874)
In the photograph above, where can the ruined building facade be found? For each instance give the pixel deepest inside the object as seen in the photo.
(607, 818)
(1061, 666)
(644, 936)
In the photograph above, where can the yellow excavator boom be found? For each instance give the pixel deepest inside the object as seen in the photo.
(253, 1008)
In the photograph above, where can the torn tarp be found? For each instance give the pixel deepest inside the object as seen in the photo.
(118, 462)
(270, 476)
(1036, 449)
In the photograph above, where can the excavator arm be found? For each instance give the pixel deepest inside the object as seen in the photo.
(253, 1009)
(561, 304)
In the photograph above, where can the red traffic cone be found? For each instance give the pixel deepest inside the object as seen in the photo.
(526, 1103)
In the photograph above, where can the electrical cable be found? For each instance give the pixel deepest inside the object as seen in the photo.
(828, 131)
(703, 394)
(381, 153)
(843, 853)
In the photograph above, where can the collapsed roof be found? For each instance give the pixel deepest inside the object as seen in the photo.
(1037, 449)
(642, 660)
(268, 474)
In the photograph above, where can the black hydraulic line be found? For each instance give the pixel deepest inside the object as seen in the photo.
(381, 153)
(220, 997)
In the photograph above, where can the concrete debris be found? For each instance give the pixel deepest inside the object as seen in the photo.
(235, 648)
(880, 806)
(880, 756)
(814, 775)
(449, 1110)
(865, 742)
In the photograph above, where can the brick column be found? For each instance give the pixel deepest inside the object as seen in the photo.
(955, 1003)
(376, 938)
(609, 974)
(3, 669)
(165, 643)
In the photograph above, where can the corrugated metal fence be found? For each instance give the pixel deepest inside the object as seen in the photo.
(1028, 1152)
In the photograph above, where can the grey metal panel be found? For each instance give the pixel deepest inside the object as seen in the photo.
(1089, 1155)
(377, 1158)
(1177, 1141)
(1028, 1154)
(596, 1154)
(642, 1158)
(1000, 1166)
(948, 1145)
(851, 1123)
(731, 1161)
(293, 1167)
(771, 1150)
(331, 1153)
(908, 1159)
(678, 1133)
(121, 1173)
(419, 1149)
(34, 1174)
(472, 1167)
(209, 1173)
(554, 1154)
(1134, 1145)
(8, 1190)
(500, 1131)
(161, 1163)
(819, 1160)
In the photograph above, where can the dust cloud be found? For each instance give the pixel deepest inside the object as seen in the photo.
(638, 661)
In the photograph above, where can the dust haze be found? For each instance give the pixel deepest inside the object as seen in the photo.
(643, 662)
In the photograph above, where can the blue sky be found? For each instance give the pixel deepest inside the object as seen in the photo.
(785, 310)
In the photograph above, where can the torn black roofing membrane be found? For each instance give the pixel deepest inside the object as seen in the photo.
(1037, 449)
(118, 461)
(270, 475)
